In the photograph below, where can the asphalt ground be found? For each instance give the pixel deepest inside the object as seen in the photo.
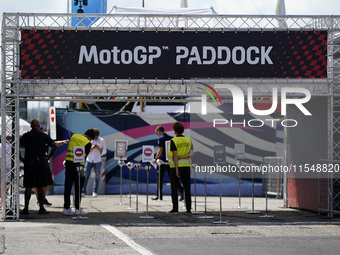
(111, 228)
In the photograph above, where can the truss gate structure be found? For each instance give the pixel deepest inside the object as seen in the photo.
(15, 89)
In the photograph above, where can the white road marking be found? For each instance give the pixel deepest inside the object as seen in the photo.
(126, 239)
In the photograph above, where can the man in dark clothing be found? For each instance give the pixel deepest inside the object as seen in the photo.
(35, 161)
(48, 171)
(164, 167)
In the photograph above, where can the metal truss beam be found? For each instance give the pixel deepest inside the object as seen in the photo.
(334, 117)
(15, 89)
(161, 88)
(165, 22)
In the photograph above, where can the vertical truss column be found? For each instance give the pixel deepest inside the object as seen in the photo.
(10, 119)
(334, 68)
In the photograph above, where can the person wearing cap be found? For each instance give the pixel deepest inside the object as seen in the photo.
(35, 161)
(71, 173)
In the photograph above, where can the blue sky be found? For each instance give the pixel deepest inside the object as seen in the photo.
(258, 7)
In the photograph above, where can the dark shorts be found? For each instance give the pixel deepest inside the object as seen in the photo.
(35, 175)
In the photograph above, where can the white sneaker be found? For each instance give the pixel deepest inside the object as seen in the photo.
(68, 212)
(82, 212)
(94, 194)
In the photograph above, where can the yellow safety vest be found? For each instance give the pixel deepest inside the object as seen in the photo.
(183, 145)
(76, 140)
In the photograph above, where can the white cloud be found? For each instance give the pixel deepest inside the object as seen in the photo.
(37, 6)
(246, 7)
(268, 7)
(313, 7)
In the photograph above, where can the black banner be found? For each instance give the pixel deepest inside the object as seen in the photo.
(73, 54)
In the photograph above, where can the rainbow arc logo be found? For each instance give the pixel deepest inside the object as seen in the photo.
(204, 99)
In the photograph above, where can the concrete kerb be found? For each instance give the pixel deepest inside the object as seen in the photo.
(104, 209)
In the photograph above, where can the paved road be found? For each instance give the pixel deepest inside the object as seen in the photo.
(111, 229)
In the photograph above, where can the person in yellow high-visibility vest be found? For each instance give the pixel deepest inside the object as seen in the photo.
(71, 174)
(181, 150)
